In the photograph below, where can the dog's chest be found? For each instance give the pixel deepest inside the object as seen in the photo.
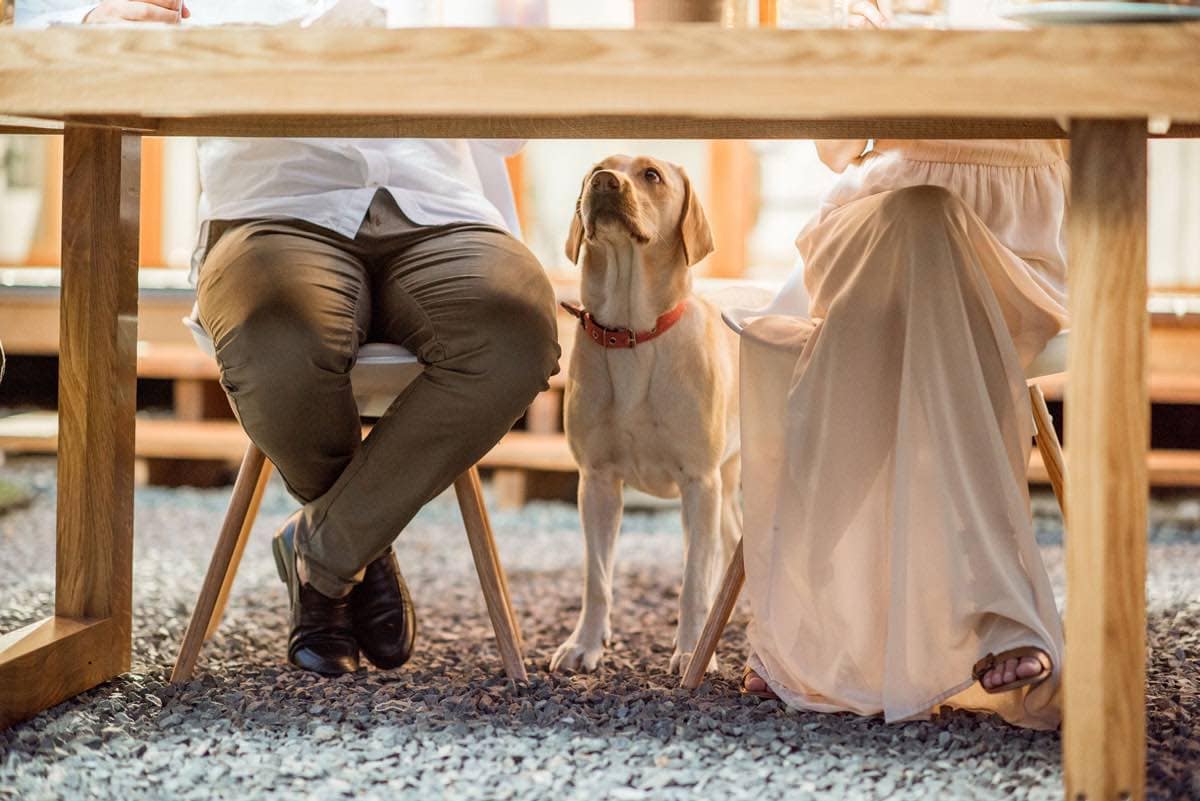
(631, 414)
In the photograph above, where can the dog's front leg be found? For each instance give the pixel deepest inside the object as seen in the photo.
(701, 554)
(600, 512)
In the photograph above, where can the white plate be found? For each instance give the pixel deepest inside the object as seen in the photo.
(1074, 12)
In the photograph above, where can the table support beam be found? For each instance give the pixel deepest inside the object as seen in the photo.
(97, 376)
(1107, 420)
(89, 639)
(50, 661)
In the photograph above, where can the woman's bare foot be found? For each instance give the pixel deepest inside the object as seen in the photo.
(754, 684)
(1013, 670)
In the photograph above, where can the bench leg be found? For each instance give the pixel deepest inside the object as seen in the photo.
(491, 575)
(237, 520)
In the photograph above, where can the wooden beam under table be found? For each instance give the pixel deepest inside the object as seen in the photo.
(784, 125)
(595, 126)
(97, 394)
(58, 658)
(29, 125)
(1107, 420)
(732, 204)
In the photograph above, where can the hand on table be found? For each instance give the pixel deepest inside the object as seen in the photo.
(138, 11)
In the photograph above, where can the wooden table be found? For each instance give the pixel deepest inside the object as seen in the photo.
(107, 87)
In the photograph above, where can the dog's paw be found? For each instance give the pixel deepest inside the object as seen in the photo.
(577, 656)
(681, 659)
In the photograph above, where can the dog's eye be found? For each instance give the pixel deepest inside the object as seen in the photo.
(652, 175)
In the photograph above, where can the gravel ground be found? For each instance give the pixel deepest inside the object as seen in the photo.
(449, 725)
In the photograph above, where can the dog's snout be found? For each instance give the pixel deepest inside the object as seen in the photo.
(605, 181)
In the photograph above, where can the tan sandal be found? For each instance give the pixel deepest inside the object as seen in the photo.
(989, 662)
(767, 694)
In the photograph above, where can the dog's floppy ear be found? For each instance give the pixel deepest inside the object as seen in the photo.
(694, 231)
(575, 237)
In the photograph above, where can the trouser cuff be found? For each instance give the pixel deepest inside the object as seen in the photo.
(323, 580)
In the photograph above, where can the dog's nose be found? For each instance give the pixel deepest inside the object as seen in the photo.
(605, 181)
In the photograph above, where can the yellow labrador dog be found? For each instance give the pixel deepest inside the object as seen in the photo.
(651, 400)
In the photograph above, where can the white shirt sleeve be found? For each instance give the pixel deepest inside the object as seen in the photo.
(72, 16)
(493, 178)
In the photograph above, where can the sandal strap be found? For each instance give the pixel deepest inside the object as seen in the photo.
(990, 661)
(982, 667)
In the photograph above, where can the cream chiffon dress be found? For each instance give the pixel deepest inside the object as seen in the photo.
(886, 433)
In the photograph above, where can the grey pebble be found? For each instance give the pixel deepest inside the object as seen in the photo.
(450, 726)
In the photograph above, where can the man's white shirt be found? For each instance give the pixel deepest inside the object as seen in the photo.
(331, 182)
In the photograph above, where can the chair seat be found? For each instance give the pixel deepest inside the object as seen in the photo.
(1051, 361)
(381, 372)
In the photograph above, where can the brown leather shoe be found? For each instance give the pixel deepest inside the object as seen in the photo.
(385, 622)
(322, 636)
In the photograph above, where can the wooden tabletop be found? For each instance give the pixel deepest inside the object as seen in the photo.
(679, 81)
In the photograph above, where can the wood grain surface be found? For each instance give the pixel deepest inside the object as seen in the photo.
(691, 72)
(89, 638)
(1107, 428)
(97, 377)
(52, 660)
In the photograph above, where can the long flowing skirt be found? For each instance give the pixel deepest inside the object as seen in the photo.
(886, 435)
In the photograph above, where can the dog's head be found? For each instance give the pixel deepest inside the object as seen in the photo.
(645, 200)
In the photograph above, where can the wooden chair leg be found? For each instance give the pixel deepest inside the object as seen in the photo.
(491, 575)
(1049, 446)
(253, 466)
(718, 618)
(235, 562)
(491, 543)
(516, 624)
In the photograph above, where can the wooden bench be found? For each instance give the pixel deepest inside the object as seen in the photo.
(224, 440)
(202, 444)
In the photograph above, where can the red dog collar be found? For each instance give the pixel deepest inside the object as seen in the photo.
(623, 337)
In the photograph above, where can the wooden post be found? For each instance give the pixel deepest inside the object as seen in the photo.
(768, 13)
(1107, 417)
(151, 233)
(731, 205)
(47, 243)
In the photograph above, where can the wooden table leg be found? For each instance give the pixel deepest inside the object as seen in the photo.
(88, 641)
(1107, 420)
